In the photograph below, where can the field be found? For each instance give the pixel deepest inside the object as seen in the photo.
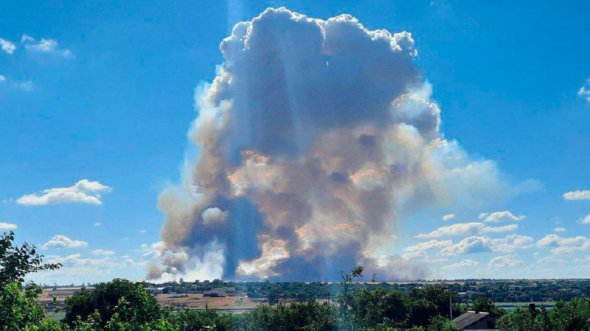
(200, 302)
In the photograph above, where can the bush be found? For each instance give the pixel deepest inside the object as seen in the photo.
(128, 300)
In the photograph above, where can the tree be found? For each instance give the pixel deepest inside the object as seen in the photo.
(379, 307)
(129, 300)
(18, 306)
(486, 305)
(18, 261)
(439, 323)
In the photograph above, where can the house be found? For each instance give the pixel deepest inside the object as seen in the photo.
(472, 320)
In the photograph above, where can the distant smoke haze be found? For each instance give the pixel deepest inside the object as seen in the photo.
(312, 137)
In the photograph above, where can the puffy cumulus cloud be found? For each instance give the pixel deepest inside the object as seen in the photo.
(584, 91)
(84, 191)
(564, 245)
(586, 219)
(469, 245)
(7, 226)
(44, 46)
(7, 46)
(512, 243)
(448, 217)
(462, 264)
(313, 136)
(421, 247)
(501, 216)
(577, 195)
(559, 230)
(61, 241)
(466, 228)
(504, 261)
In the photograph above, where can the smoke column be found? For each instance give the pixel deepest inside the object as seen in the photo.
(312, 137)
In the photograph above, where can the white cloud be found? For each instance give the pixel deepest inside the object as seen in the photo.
(95, 269)
(7, 46)
(577, 195)
(564, 245)
(7, 226)
(97, 224)
(142, 231)
(466, 228)
(500, 216)
(426, 245)
(448, 217)
(45, 46)
(511, 243)
(2, 78)
(61, 241)
(103, 252)
(559, 230)
(504, 261)
(473, 244)
(84, 191)
(586, 220)
(584, 91)
(462, 264)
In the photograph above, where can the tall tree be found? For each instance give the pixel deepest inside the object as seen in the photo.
(18, 261)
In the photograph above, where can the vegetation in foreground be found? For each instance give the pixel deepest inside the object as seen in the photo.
(121, 305)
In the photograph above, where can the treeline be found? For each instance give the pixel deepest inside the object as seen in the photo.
(121, 305)
(497, 290)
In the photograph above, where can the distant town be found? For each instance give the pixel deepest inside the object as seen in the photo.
(242, 296)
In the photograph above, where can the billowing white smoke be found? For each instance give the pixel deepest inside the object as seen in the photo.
(311, 138)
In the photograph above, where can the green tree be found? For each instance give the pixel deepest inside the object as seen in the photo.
(18, 307)
(439, 323)
(378, 308)
(486, 305)
(129, 300)
(18, 261)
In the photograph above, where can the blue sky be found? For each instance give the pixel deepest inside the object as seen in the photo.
(106, 93)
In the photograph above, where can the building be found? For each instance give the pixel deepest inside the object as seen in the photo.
(472, 320)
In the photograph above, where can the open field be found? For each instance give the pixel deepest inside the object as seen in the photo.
(199, 302)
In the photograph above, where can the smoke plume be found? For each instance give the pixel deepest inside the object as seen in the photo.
(312, 137)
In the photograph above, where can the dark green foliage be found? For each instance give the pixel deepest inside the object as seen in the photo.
(439, 323)
(129, 300)
(200, 320)
(565, 316)
(379, 307)
(484, 304)
(298, 316)
(428, 302)
(18, 306)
